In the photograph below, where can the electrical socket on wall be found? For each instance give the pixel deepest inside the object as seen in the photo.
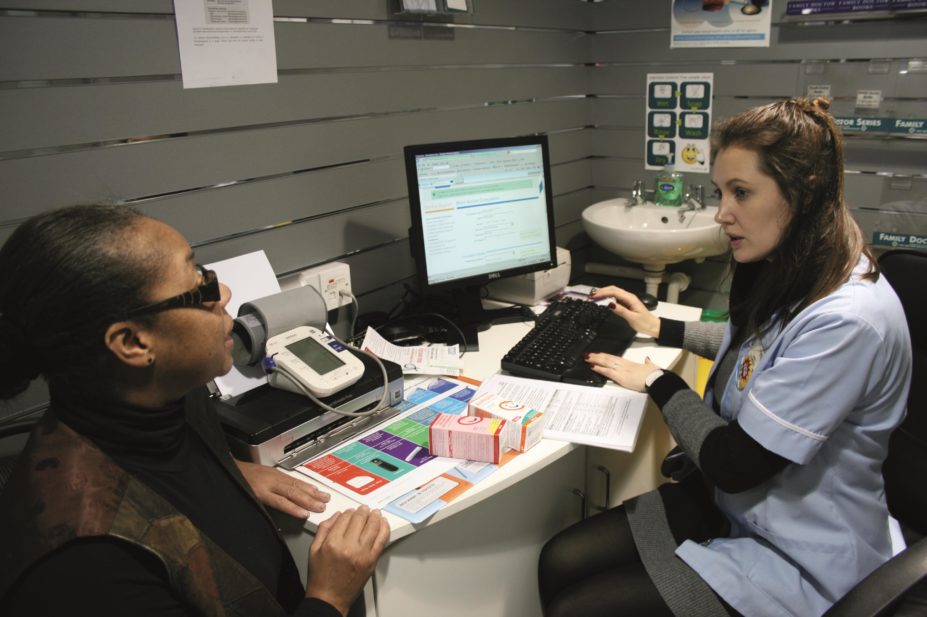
(330, 280)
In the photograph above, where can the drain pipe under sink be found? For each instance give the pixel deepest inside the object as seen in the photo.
(676, 281)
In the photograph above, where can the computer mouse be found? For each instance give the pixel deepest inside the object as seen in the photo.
(649, 301)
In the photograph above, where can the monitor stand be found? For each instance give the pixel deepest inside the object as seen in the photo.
(463, 308)
(472, 318)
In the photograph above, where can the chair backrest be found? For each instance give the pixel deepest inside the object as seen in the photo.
(12, 439)
(905, 470)
(899, 587)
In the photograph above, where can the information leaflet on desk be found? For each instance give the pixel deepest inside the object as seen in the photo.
(389, 467)
(608, 417)
(420, 360)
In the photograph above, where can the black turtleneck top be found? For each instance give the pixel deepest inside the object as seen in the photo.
(106, 576)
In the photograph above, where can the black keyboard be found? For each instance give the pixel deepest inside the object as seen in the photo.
(567, 329)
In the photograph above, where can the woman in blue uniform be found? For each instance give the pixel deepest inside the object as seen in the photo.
(786, 509)
(126, 499)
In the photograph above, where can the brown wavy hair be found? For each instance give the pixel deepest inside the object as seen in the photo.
(800, 147)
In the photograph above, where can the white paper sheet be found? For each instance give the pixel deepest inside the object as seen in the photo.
(422, 360)
(604, 417)
(226, 42)
(249, 277)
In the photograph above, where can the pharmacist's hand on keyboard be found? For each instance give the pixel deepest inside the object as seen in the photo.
(623, 372)
(630, 308)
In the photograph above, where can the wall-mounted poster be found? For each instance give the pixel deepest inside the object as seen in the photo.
(678, 121)
(720, 23)
(226, 42)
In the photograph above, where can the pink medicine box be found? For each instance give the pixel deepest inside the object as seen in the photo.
(467, 437)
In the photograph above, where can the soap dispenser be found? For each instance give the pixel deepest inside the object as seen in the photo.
(668, 186)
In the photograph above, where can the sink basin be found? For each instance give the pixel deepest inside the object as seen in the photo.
(654, 235)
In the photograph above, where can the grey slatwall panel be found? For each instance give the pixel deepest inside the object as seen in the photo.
(72, 114)
(856, 40)
(729, 80)
(202, 214)
(142, 169)
(563, 14)
(134, 47)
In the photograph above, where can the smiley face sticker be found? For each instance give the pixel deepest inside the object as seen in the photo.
(690, 154)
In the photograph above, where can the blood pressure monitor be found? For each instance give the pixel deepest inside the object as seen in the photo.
(320, 363)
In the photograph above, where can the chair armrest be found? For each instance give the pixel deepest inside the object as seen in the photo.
(879, 592)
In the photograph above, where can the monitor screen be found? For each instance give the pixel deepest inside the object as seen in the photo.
(481, 210)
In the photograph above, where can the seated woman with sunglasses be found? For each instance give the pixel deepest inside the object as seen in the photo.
(126, 500)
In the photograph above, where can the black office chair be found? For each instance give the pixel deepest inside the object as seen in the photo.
(899, 587)
(12, 430)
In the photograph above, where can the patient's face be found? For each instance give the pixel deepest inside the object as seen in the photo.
(192, 345)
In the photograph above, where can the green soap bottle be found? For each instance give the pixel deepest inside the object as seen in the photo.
(668, 187)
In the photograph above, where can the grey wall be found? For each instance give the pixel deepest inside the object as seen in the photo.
(310, 169)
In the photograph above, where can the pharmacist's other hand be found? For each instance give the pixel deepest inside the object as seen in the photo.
(630, 308)
(343, 555)
(627, 374)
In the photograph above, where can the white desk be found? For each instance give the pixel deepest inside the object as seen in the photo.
(478, 555)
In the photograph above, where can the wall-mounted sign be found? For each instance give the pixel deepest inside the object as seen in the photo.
(899, 240)
(678, 121)
(815, 7)
(819, 90)
(720, 23)
(863, 124)
(868, 99)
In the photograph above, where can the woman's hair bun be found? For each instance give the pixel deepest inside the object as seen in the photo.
(821, 103)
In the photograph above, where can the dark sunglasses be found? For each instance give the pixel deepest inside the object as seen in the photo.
(207, 291)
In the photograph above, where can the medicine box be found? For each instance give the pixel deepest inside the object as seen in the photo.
(527, 424)
(467, 437)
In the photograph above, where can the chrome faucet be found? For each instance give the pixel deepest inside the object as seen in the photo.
(694, 199)
(638, 195)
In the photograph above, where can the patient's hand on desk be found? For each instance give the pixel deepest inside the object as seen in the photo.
(630, 375)
(630, 308)
(343, 555)
(282, 492)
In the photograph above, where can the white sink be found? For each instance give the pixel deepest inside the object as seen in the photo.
(654, 235)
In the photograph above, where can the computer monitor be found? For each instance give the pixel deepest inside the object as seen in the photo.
(481, 210)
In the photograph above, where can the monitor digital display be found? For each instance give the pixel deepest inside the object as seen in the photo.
(481, 210)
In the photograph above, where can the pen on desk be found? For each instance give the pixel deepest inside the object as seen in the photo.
(413, 453)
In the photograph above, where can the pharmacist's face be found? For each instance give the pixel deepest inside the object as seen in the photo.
(753, 212)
